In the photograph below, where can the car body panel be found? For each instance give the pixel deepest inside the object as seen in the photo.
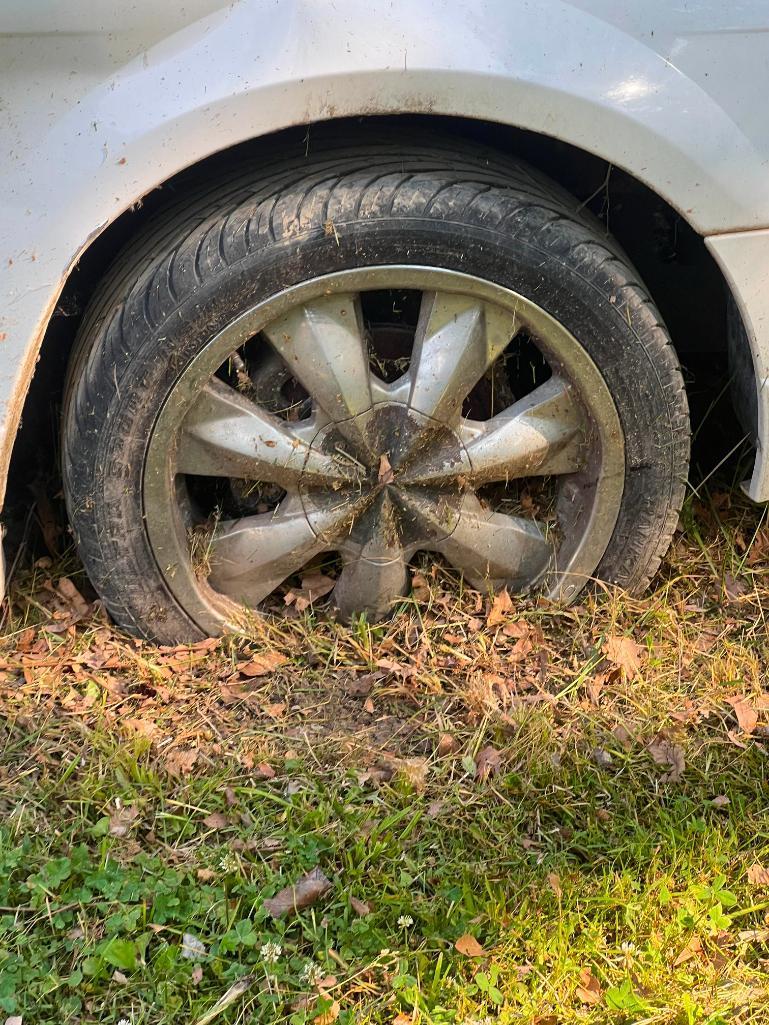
(100, 104)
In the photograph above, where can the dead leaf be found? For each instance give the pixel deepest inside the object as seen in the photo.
(275, 710)
(196, 975)
(665, 752)
(758, 875)
(119, 977)
(754, 935)
(501, 607)
(216, 820)
(25, 639)
(360, 907)
(205, 874)
(747, 716)
(121, 820)
(261, 665)
(692, 949)
(386, 475)
(236, 990)
(447, 744)
(555, 884)
(623, 737)
(180, 761)
(720, 801)
(309, 889)
(488, 763)
(314, 586)
(624, 654)
(469, 946)
(734, 589)
(589, 988)
(329, 1015)
(403, 1019)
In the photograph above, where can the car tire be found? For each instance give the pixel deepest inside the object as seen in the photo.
(239, 241)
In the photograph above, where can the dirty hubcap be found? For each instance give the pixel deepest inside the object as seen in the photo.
(316, 424)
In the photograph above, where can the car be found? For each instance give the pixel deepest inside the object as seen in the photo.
(320, 287)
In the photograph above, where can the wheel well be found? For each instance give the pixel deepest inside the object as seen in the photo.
(680, 274)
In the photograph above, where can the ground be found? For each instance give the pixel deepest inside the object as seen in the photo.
(524, 814)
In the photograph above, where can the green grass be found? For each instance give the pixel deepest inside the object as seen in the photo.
(581, 854)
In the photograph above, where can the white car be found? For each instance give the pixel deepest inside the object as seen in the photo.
(331, 287)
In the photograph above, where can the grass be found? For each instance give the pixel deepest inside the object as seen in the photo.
(583, 792)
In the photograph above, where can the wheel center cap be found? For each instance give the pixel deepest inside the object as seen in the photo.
(388, 449)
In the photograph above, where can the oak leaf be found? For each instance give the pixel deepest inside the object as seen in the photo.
(625, 654)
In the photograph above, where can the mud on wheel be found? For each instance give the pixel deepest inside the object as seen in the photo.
(342, 362)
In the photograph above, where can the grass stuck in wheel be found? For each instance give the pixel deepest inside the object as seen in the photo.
(488, 811)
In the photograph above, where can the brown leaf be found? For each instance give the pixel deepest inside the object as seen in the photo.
(180, 761)
(121, 820)
(469, 946)
(734, 589)
(720, 801)
(625, 654)
(754, 935)
(555, 884)
(309, 889)
(758, 875)
(216, 820)
(275, 710)
(386, 475)
(501, 607)
(488, 763)
(747, 716)
(665, 752)
(205, 874)
(403, 1019)
(262, 664)
(447, 744)
(360, 907)
(196, 976)
(25, 639)
(692, 949)
(330, 1014)
(589, 988)
(314, 586)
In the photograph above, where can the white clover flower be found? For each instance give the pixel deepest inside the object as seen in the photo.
(271, 952)
(124, 1021)
(312, 974)
(627, 948)
(405, 921)
(229, 862)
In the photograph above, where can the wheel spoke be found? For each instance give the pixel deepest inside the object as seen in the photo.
(541, 434)
(250, 557)
(490, 549)
(377, 574)
(457, 339)
(323, 345)
(226, 435)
